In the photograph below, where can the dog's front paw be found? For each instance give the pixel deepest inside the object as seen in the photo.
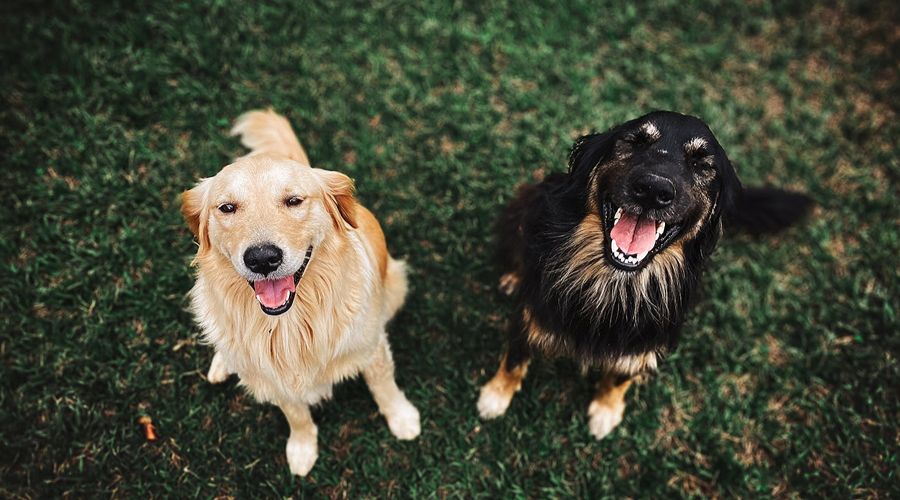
(218, 370)
(494, 400)
(301, 455)
(604, 418)
(404, 421)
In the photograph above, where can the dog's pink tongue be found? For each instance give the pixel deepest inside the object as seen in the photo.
(273, 293)
(634, 234)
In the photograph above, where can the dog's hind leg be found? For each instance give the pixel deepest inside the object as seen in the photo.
(402, 417)
(302, 449)
(509, 283)
(497, 394)
(396, 286)
(608, 406)
(218, 369)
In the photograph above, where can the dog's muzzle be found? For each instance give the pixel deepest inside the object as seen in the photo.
(276, 295)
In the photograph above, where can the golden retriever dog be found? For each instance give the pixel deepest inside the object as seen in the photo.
(294, 283)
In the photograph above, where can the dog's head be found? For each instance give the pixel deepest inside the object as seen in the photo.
(655, 181)
(266, 217)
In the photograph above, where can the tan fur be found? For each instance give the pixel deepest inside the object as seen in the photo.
(351, 288)
(634, 365)
(556, 346)
(268, 133)
(608, 406)
(509, 381)
(541, 340)
(196, 214)
(585, 268)
(694, 145)
(340, 202)
(370, 228)
(498, 392)
(609, 393)
(652, 132)
(509, 283)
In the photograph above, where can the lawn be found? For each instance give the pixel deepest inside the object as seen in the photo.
(785, 383)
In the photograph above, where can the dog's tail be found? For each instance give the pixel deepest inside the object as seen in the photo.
(267, 132)
(395, 287)
(767, 210)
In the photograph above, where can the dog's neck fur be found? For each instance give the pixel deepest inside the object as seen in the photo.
(300, 346)
(650, 295)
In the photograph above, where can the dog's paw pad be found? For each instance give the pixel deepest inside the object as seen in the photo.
(218, 370)
(301, 455)
(604, 418)
(404, 421)
(493, 401)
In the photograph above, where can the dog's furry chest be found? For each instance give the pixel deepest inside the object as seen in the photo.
(578, 307)
(273, 372)
(295, 356)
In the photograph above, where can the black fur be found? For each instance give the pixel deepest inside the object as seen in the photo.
(536, 230)
(767, 210)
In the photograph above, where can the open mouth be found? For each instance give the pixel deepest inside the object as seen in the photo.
(276, 296)
(633, 239)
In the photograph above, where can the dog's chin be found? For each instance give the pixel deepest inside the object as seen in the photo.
(646, 238)
(276, 296)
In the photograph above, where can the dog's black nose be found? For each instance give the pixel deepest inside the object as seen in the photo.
(263, 259)
(653, 191)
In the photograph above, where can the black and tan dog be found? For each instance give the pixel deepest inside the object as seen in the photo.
(604, 260)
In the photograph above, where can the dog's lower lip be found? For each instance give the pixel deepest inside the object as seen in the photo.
(280, 309)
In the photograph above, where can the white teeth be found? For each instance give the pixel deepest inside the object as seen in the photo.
(623, 257)
(259, 298)
(632, 259)
(617, 216)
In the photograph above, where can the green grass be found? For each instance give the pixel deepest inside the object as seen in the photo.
(785, 384)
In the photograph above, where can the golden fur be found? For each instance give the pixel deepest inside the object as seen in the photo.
(335, 328)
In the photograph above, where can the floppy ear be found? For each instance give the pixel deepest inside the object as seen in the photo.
(339, 199)
(589, 150)
(729, 190)
(194, 208)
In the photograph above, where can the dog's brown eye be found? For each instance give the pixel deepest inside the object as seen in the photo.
(636, 138)
(293, 201)
(227, 208)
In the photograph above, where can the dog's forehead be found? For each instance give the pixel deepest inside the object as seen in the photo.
(263, 175)
(678, 132)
